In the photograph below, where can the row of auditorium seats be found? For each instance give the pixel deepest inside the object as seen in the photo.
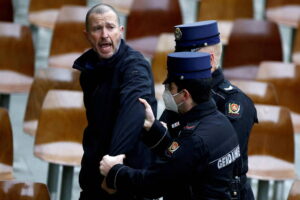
(50, 111)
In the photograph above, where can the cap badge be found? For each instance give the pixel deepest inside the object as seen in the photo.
(178, 34)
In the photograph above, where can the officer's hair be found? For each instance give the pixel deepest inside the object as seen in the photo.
(100, 9)
(217, 49)
(198, 88)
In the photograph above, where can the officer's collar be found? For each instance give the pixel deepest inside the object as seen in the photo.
(198, 111)
(217, 77)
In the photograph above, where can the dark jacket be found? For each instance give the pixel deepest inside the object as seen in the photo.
(241, 112)
(203, 155)
(111, 89)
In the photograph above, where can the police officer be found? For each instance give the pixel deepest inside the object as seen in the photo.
(204, 37)
(204, 152)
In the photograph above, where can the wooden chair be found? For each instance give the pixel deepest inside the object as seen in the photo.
(123, 6)
(6, 146)
(6, 11)
(45, 80)
(286, 12)
(16, 190)
(44, 13)
(153, 18)
(286, 79)
(225, 12)
(165, 45)
(271, 148)
(259, 92)
(296, 49)
(58, 140)
(294, 193)
(250, 42)
(16, 60)
(66, 46)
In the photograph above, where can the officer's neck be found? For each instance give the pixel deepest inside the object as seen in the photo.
(186, 106)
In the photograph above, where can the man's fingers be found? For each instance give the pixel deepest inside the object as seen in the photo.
(121, 156)
(143, 101)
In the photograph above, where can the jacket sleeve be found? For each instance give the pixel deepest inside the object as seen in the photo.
(157, 138)
(162, 176)
(136, 82)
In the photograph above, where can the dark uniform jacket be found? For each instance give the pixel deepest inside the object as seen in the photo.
(204, 155)
(111, 89)
(241, 112)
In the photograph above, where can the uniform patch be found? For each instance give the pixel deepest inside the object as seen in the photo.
(187, 127)
(234, 108)
(174, 146)
(176, 124)
(227, 159)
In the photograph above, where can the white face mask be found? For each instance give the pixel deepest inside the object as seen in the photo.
(169, 101)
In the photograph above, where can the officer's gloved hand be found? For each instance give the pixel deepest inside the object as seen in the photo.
(149, 116)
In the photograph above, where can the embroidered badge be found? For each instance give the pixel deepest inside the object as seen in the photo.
(178, 33)
(174, 146)
(233, 109)
(176, 124)
(189, 127)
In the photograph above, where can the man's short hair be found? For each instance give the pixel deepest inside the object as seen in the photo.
(100, 9)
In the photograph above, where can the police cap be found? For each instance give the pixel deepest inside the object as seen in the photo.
(188, 65)
(198, 34)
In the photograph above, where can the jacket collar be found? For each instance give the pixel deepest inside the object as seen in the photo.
(197, 112)
(89, 61)
(217, 77)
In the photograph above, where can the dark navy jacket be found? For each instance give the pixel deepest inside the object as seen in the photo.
(203, 155)
(241, 112)
(111, 89)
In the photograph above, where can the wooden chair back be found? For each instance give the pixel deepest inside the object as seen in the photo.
(259, 92)
(251, 42)
(16, 190)
(225, 9)
(45, 80)
(149, 18)
(17, 50)
(60, 129)
(68, 34)
(6, 146)
(37, 5)
(274, 134)
(277, 3)
(286, 79)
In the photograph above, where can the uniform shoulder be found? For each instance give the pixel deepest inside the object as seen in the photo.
(227, 88)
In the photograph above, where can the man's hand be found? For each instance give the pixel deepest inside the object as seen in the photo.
(107, 189)
(108, 162)
(149, 118)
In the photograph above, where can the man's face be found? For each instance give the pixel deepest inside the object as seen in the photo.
(104, 33)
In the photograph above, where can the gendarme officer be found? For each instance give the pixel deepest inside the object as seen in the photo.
(203, 154)
(204, 37)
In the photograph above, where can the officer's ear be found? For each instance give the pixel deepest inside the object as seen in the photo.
(186, 94)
